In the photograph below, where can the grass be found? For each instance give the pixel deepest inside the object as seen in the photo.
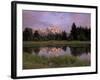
(34, 61)
(53, 43)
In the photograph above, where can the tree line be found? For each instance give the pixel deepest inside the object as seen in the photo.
(76, 33)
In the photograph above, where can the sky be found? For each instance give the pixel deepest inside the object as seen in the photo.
(44, 19)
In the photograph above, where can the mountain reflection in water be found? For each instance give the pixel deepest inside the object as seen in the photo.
(80, 52)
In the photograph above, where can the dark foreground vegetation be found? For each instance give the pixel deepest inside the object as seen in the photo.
(34, 61)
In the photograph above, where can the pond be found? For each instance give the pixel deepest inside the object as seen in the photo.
(82, 53)
(56, 56)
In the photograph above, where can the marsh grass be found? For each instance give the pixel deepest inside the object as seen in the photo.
(34, 61)
(53, 43)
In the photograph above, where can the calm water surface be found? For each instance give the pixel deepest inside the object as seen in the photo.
(54, 51)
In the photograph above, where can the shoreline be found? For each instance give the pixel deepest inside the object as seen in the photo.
(53, 43)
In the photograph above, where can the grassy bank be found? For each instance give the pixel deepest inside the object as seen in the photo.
(53, 43)
(33, 61)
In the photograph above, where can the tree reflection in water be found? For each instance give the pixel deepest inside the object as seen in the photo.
(36, 50)
(82, 52)
(77, 51)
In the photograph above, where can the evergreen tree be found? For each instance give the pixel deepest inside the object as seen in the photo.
(36, 35)
(74, 32)
(64, 35)
(27, 34)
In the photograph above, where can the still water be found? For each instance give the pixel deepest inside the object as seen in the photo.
(82, 53)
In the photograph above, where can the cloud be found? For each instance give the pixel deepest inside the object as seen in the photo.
(43, 19)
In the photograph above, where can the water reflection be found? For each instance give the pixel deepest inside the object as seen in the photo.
(80, 52)
(77, 51)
